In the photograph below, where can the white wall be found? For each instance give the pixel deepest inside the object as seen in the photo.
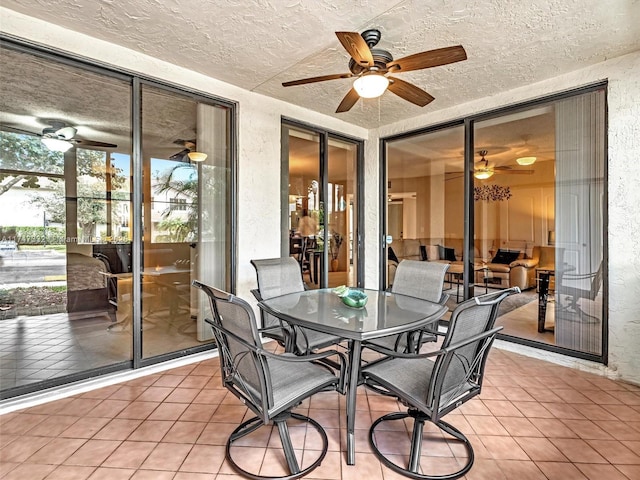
(623, 99)
(259, 166)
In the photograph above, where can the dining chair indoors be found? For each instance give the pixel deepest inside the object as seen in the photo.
(436, 383)
(270, 385)
(279, 276)
(424, 280)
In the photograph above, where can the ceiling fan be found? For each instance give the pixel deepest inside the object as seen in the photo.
(189, 153)
(483, 170)
(60, 137)
(373, 66)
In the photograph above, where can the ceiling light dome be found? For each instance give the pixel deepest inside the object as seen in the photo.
(197, 156)
(56, 144)
(371, 85)
(483, 174)
(525, 160)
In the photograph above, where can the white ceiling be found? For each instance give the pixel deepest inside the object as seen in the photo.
(258, 44)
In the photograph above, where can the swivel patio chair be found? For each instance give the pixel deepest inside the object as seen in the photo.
(436, 383)
(279, 276)
(424, 280)
(269, 385)
(572, 285)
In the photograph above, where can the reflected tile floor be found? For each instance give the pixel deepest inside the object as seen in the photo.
(534, 420)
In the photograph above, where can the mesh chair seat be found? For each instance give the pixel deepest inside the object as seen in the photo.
(290, 380)
(400, 376)
(436, 383)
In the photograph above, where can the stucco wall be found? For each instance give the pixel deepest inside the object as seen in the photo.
(623, 75)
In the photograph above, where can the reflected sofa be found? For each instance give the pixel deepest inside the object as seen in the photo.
(520, 272)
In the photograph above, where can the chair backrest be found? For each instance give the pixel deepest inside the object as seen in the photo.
(457, 375)
(277, 276)
(419, 279)
(236, 333)
(596, 283)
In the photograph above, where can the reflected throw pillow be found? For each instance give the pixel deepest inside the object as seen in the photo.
(505, 257)
(446, 253)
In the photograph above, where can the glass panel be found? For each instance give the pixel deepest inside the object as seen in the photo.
(186, 219)
(539, 219)
(425, 203)
(55, 291)
(306, 213)
(341, 213)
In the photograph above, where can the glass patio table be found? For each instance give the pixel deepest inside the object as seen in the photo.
(384, 314)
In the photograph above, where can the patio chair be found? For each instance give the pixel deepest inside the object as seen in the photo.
(269, 385)
(436, 383)
(419, 279)
(572, 285)
(279, 276)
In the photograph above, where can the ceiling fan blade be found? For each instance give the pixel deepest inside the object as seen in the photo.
(317, 79)
(428, 59)
(409, 92)
(180, 156)
(348, 101)
(513, 172)
(355, 45)
(7, 128)
(91, 143)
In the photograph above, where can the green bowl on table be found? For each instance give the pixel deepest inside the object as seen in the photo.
(350, 297)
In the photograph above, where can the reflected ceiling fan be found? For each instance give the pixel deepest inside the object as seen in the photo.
(189, 153)
(372, 68)
(60, 137)
(483, 170)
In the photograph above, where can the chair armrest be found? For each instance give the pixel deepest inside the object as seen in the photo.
(436, 353)
(256, 293)
(524, 262)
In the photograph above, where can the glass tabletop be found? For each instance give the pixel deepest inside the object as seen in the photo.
(384, 314)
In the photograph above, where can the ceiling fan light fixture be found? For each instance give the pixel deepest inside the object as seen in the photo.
(483, 174)
(197, 156)
(56, 144)
(525, 160)
(371, 86)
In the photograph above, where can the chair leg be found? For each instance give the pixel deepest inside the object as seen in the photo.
(285, 438)
(280, 421)
(416, 445)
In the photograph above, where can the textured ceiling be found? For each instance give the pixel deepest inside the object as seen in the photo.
(258, 44)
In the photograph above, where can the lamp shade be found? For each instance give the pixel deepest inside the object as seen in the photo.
(371, 86)
(483, 174)
(197, 156)
(56, 144)
(525, 160)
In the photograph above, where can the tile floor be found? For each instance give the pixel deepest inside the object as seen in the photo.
(534, 420)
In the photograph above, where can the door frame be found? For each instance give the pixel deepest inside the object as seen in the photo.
(324, 135)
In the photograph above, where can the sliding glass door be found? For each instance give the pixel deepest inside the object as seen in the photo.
(322, 224)
(185, 162)
(424, 202)
(106, 215)
(535, 203)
